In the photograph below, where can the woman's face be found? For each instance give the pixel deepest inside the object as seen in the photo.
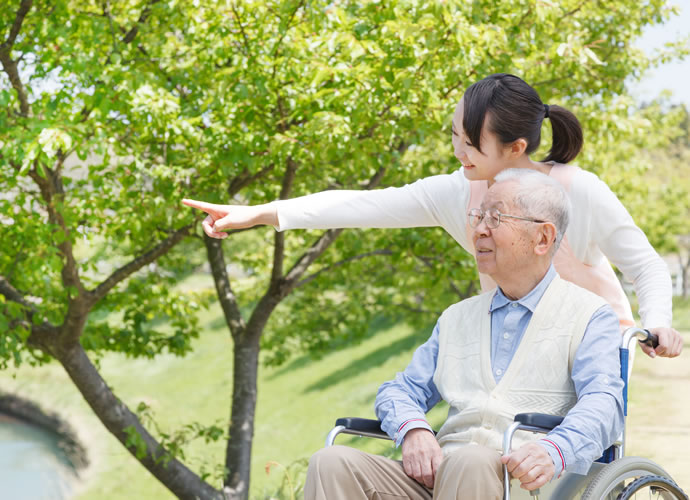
(478, 165)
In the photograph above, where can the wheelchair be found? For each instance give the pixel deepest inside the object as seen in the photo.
(614, 476)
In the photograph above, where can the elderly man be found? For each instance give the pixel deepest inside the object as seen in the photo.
(535, 344)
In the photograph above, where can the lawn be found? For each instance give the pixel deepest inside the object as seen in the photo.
(299, 402)
(297, 405)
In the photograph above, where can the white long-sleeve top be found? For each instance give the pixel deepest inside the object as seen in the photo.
(600, 228)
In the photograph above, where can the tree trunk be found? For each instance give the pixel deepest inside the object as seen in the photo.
(181, 481)
(241, 433)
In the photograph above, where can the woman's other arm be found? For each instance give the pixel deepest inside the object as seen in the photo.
(627, 247)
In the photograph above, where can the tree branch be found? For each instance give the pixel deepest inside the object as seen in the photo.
(320, 246)
(575, 10)
(244, 179)
(279, 289)
(308, 257)
(340, 263)
(23, 10)
(130, 268)
(51, 188)
(242, 230)
(553, 80)
(10, 66)
(11, 293)
(274, 50)
(456, 85)
(158, 68)
(451, 284)
(226, 297)
(239, 23)
(132, 33)
(41, 334)
(369, 133)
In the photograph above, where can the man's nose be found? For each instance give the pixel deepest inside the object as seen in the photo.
(482, 229)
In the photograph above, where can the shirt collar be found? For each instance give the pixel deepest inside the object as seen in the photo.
(530, 300)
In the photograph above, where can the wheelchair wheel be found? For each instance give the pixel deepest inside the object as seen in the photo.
(652, 487)
(610, 482)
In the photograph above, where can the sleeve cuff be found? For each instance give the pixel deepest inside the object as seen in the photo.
(282, 223)
(408, 425)
(556, 456)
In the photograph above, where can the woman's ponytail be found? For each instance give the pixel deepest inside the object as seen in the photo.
(567, 135)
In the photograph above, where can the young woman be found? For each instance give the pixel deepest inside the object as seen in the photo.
(496, 126)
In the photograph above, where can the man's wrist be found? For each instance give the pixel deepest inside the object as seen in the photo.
(409, 425)
(556, 455)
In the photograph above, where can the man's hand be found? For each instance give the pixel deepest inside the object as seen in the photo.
(531, 464)
(421, 456)
(670, 343)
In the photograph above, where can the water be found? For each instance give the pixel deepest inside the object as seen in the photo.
(32, 465)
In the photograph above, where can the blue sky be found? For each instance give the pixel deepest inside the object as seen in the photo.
(674, 77)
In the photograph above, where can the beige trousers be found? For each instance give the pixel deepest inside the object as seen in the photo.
(344, 473)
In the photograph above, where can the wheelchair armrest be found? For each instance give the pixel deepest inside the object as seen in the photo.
(358, 427)
(542, 420)
(360, 424)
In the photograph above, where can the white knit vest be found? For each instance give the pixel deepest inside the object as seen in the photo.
(536, 380)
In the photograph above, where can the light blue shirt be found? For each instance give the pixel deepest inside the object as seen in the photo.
(590, 427)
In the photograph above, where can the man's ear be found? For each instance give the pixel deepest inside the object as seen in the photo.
(546, 238)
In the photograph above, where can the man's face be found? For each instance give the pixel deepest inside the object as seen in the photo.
(508, 250)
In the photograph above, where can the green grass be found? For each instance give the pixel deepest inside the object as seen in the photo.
(297, 404)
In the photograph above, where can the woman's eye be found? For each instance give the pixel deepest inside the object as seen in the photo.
(468, 143)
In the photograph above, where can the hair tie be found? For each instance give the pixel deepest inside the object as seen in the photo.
(546, 110)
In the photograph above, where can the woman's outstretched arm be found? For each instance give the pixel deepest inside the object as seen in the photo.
(433, 201)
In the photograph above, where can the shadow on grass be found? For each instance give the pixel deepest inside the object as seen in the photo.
(295, 364)
(379, 324)
(369, 361)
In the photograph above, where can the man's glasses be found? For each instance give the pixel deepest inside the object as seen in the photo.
(492, 218)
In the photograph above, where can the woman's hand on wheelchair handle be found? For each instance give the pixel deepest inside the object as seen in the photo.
(421, 456)
(670, 343)
(531, 464)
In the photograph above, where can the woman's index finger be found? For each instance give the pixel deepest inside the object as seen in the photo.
(201, 205)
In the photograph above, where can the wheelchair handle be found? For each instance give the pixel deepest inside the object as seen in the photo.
(650, 339)
(643, 337)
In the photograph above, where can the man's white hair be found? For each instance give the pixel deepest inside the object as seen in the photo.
(540, 197)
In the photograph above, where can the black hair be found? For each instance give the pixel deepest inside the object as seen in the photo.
(516, 111)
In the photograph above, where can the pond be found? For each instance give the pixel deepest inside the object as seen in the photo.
(32, 464)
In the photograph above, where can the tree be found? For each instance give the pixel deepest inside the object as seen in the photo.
(254, 101)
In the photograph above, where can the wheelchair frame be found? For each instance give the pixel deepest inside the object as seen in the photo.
(569, 485)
